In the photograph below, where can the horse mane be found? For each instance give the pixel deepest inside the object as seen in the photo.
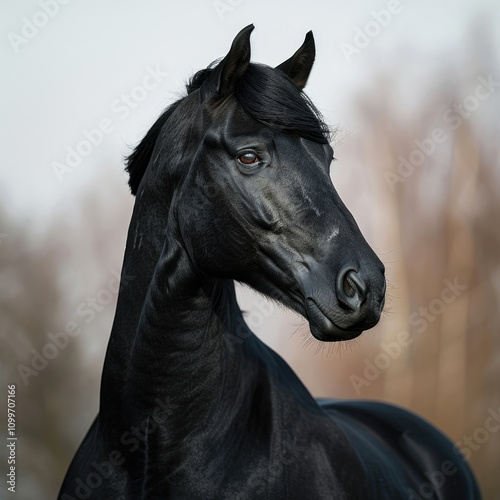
(137, 162)
(265, 94)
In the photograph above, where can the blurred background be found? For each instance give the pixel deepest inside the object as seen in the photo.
(413, 89)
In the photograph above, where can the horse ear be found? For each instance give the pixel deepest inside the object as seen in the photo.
(234, 65)
(300, 64)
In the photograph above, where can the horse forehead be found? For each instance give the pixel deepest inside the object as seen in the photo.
(234, 121)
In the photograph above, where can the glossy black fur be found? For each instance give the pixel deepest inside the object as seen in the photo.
(193, 405)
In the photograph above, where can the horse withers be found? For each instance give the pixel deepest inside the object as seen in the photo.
(232, 184)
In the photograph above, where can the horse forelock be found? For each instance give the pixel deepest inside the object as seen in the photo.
(273, 99)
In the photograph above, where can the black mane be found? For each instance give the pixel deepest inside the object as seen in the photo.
(266, 94)
(137, 162)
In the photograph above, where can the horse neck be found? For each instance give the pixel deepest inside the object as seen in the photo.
(180, 334)
(176, 333)
(185, 359)
(142, 251)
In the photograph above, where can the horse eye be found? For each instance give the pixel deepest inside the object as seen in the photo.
(248, 158)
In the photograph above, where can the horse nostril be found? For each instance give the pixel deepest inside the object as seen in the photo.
(351, 289)
(354, 281)
(349, 286)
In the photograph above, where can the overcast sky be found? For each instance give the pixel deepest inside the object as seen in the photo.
(78, 67)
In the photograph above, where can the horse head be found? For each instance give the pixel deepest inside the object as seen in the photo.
(254, 201)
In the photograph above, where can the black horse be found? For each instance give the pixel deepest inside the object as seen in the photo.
(232, 183)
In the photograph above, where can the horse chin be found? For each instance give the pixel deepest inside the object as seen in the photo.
(325, 330)
(329, 336)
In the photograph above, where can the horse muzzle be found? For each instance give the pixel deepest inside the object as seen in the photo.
(342, 312)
